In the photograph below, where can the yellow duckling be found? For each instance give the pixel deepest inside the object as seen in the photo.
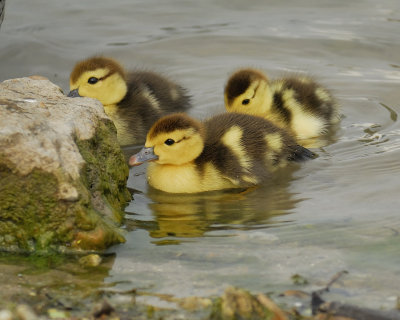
(229, 150)
(296, 103)
(133, 101)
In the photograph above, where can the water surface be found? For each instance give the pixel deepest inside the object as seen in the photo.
(337, 212)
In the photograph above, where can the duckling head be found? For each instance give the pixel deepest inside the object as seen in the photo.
(175, 139)
(99, 78)
(248, 91)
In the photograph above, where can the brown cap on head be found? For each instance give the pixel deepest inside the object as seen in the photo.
(176, 121)
(94, 63)
(240, 81)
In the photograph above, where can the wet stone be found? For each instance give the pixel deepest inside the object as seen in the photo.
(6, 315)
(91, 260)
(62, 172)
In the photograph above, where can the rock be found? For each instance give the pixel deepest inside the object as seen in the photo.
(103, 309)
(6, 315)
(237, 303)
(25, 312)
(194, 303)
(62, 172)
(91, 260)
(340, 311)
(57, 314)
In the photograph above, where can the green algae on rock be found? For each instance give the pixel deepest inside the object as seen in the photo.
(62, 172)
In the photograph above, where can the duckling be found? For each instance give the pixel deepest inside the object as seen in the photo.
(296, 103)
(230, 150)
(133, 101)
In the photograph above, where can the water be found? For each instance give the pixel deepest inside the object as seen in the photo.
(337, 212)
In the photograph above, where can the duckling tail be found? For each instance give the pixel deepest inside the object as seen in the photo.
(300, 153)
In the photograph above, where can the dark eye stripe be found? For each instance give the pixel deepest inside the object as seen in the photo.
(93, 80)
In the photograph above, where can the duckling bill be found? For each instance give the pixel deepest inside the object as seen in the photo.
(229, 150)
(133, 100)
(296, 103)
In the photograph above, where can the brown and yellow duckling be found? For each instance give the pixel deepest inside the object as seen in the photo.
(134, 100)
(296, 103)
(229, 150)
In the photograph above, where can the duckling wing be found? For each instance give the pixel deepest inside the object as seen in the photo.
(243, 178)
(163, 94)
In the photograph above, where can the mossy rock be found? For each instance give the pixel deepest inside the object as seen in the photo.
(62, 172)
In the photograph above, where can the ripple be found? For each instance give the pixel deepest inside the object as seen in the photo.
(118, 44)
(373, 75)
(394, 145)
(392, 112)
(336, 34)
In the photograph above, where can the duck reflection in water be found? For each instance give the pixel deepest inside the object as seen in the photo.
(196, 215)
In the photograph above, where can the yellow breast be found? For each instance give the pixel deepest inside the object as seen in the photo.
(186, 178)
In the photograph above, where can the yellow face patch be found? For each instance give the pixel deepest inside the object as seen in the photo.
(98, 84)
(256, 100)
(176, 147)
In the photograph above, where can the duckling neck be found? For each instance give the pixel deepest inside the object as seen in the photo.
(112, 111)
(267, 98)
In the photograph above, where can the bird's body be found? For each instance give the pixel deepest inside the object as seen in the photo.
(296, 103)
(134, 100)
(226, 151)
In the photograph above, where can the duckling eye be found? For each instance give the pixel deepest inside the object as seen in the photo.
(93, 80)
(246, 101)
(169, 142)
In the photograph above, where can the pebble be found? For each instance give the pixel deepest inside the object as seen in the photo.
(5, 315)
(25, 312)
(91, 260)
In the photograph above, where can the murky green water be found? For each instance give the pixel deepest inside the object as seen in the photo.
(337, 212)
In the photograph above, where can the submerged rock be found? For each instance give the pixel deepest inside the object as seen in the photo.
(62, 173)
(237, 303)
(91, 260)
